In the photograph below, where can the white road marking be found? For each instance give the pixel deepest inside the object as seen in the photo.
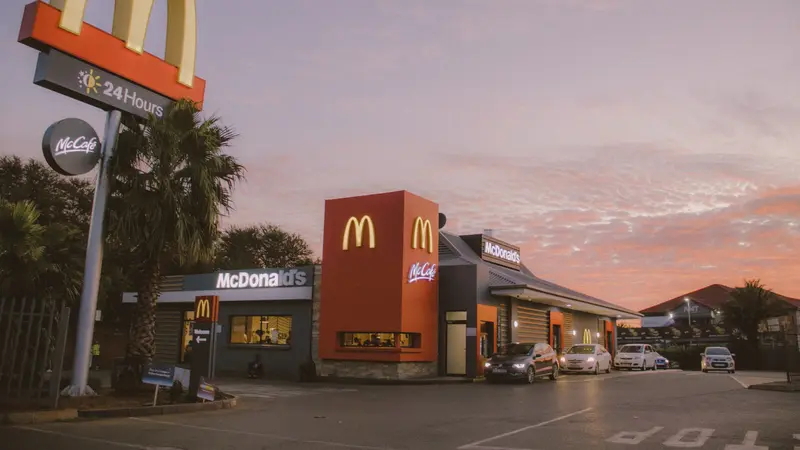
(633, 437)
(748, 443)
(739, 381)
(85, 438)
(677, 440)
(266, 435)
(477, 444)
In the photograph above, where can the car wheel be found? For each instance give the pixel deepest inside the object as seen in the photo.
(608, 368)
(705, 370)
(554, 373)
(531, 375)
(597, 369)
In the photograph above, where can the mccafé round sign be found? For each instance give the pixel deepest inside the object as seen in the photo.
(71, 147)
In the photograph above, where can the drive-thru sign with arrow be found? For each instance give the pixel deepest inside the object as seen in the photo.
(203, 334)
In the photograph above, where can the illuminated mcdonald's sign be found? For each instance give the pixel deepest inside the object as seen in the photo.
(206, 308)
(587, 336)
(358, 225)
(419, 238)
(122, 51)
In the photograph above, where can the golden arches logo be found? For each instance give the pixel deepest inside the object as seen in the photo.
(131, 18)
(203, 309)
(420, 227)
(358, 225)
(587, 336)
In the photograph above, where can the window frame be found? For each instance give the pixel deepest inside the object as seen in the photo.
(286, 346)
(414, 338)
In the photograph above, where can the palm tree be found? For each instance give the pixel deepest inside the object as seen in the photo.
(170, 183)
(37, 260)
(749, 307)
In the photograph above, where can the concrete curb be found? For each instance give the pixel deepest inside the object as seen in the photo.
(141, 411)
(27, 418)
(407, 382)
(780, 386)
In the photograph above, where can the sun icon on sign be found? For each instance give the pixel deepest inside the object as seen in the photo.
(88, 80)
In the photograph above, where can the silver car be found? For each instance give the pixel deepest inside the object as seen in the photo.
(717, 358)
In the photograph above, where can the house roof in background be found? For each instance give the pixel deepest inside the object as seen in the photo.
(712, 296)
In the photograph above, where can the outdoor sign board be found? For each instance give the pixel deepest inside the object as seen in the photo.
(501, 253)
(159, 374)
(60, 26)
(252, 279)
(203, 337)
(89, 84)
(698, 311)
(71, 147)
(206, 391)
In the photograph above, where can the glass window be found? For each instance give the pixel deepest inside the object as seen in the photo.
(581, 350)
(717, 351)
(261, 330)
(379, 339)
(516, 349)
(632, 349)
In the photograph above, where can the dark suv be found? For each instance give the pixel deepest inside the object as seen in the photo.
(522, 361)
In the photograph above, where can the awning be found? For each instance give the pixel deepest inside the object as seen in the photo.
(540, 295)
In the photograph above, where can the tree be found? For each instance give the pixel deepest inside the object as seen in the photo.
(170, 183)
(37, 260)
(63, 206)
(749, 306)
(261, 246)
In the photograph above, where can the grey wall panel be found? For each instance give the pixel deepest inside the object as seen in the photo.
(168, 334)
(279, 362)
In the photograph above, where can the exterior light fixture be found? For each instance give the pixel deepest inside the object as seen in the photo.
(516, 324)
(574, 333)
(569, 305)
(598, 335)
(670, 315)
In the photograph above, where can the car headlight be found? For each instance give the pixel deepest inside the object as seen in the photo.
(666, 361)
(488, 364)
(563, 360)
(591, 359)
(519, 366)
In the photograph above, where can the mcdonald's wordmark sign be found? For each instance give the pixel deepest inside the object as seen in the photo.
(60, 26)
(206, 308)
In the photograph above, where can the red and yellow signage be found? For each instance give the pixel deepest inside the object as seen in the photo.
(60, 25)
(206, 308)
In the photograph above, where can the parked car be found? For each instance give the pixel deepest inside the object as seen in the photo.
(635, 356)
(661, 362)
(717, 358)
(586, 358)
(522, 361)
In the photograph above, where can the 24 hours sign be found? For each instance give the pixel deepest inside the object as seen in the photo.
(89, 84)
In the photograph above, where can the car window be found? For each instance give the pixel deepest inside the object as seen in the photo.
(548, 349)
(515, 349)
(581, 350)
(721, 351)
(632, 349)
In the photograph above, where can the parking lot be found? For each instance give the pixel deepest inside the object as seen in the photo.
(667, 409)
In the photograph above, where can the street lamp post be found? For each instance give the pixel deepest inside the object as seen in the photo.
(689, 311)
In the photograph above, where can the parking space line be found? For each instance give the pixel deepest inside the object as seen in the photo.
(739, 381)
(266, 435)
(84, 438)
(477, 444)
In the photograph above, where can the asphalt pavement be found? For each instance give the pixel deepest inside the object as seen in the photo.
(650, 410)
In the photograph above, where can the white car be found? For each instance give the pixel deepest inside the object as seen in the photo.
(586, 358)
(717, 358)
(636, 356)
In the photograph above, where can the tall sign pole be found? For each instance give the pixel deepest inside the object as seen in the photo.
(94, 263)
(110, 71)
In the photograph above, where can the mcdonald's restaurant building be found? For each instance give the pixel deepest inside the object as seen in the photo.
(265, 312)
(400, 298)
(403, 298)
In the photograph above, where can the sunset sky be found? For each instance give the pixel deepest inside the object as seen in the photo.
(636, 150)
